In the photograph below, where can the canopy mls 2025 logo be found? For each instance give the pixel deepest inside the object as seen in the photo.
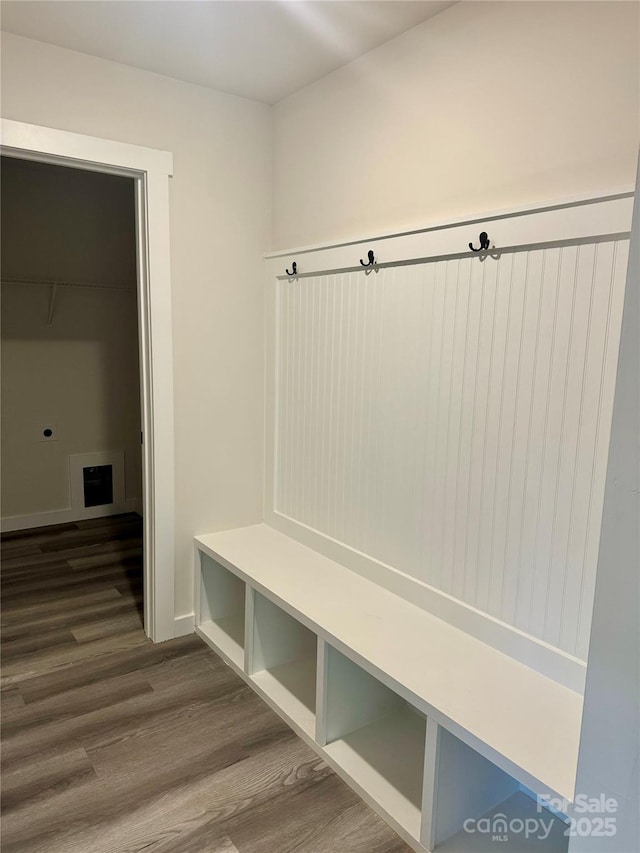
(585, 817)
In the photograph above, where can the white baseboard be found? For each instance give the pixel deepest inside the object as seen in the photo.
(183, 625)
(64, 516)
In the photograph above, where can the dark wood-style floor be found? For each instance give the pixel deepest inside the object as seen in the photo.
(112, 743)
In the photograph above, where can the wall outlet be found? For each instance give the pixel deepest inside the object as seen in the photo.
(48, 432)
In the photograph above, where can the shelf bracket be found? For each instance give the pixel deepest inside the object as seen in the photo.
(52, 303)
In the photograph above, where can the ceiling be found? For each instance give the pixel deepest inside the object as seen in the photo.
(260, 49)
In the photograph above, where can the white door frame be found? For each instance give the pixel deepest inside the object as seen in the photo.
(150, 170)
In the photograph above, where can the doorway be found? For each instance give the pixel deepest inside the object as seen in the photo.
(149, 170)
(71, 420)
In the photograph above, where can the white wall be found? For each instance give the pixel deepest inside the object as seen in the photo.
(485, 106)
(67, 224)
(81, 374)
(219, 230)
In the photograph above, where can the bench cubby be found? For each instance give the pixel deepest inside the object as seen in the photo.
(375, 737)
(220, 618)
(461, 785)
(515, 825)
(282, 661)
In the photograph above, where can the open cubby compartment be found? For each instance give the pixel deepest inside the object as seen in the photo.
(221, 620)
(282, 662)
(375, 739)
(471, 805)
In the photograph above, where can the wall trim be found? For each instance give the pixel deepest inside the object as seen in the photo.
(150, 170)
(65, 516)
(471, 219)
(591, 220)
(184, 625)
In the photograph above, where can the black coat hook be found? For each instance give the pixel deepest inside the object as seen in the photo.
(372, 260)
(294, 270)
(484, 243)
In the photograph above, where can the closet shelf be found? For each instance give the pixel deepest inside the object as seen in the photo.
(90, 285)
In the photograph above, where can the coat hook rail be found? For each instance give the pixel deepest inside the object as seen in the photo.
(485, 246)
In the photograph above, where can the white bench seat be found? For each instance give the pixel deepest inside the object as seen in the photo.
(524, 722)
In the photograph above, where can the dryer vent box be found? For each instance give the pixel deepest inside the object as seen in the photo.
(98, 485)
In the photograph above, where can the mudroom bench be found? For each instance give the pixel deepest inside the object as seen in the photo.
(429, 725)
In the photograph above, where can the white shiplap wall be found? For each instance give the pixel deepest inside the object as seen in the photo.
(451, 420)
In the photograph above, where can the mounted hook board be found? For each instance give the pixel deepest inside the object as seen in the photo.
(441, 427)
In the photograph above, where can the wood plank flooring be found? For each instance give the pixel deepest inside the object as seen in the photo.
(111, 744)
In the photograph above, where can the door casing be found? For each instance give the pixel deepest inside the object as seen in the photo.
(150, 170)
